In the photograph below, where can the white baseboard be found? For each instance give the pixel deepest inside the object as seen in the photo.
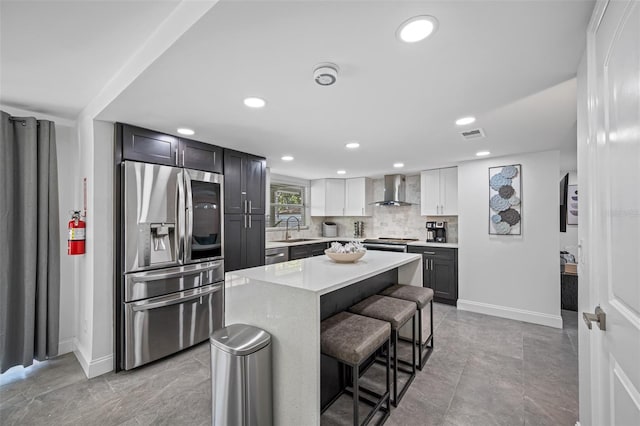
(511, 313)
(96, 367)
(66, 346)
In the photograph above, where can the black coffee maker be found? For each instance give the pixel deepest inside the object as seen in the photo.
(436, 232)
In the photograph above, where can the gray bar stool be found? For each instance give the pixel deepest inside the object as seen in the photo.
(351, 339)
(396, 312)
(421, 296)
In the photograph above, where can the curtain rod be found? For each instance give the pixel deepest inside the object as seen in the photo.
(22, 120)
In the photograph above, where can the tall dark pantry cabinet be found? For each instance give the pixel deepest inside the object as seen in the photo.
(244, 209)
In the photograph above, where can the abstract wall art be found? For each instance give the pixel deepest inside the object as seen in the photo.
(572, 205)
(505, 200)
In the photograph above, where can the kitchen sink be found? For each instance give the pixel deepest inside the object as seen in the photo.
(295, 240)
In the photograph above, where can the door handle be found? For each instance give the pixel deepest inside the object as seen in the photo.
(174, 300)
(599, 317)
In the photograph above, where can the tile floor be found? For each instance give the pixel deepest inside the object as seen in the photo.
(484, 371)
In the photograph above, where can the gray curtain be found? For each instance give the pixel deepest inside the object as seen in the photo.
(29, 241)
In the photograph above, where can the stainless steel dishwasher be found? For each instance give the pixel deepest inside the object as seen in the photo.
(276, 255)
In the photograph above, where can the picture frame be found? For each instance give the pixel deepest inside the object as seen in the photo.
(572, 205)
(505, 200)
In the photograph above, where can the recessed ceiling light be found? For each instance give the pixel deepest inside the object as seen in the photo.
(185, 131)
(417, 28)
(287, 158)
(482, 153)
(352, 145)
(342, 172)
(255, 102)
(398, 165)
(465, 120)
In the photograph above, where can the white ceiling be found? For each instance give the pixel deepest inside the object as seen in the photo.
(511, 64)
(56, 56)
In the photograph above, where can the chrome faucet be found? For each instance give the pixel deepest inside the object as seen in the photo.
(286, 232)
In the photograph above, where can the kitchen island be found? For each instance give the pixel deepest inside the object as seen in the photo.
(290, 299)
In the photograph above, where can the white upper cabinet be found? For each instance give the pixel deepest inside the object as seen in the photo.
(342, 197)
(327, 197)
(358, 196)
(439, 192)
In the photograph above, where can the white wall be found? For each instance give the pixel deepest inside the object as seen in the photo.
(68, 184)
(94, 337)
(514, 277)
(569, 239)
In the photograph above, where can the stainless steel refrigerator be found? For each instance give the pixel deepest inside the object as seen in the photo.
(172, 286)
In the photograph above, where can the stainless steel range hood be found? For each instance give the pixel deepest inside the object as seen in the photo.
(394, 191)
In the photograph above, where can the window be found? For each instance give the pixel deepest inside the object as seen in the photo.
(287, 201)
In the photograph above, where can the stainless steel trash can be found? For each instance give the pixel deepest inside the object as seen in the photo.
(241, 377)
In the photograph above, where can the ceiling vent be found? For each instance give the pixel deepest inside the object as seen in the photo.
(473, 134)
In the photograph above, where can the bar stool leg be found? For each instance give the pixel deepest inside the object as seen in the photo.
(429, 344)
(389, 376)
(420, 338)
(432, 346)
(395, 368)
(356, 396)
(413, 347)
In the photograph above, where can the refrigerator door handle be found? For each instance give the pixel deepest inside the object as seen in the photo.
(181, 271)
(175, 299)
(180, 246)
(188, 229)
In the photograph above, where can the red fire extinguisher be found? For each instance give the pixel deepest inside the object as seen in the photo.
(77, 231)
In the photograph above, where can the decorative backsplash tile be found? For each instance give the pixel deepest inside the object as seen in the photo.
(387, 221)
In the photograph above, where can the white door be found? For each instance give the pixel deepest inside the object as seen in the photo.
(613, 208)
(354, 197)
(358, 196)
(430, 192)
(335, 197)
(449, 191)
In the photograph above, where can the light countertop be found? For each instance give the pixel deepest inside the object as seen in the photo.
(320, 274)
(274, 244)
(425, 244)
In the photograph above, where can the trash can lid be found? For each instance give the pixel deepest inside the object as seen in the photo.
(240, 339)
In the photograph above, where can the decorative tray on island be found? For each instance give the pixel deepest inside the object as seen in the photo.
(349, 253)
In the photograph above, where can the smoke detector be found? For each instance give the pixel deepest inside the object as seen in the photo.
(325, 74)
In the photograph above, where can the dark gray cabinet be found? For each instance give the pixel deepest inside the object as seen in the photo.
(245, 183)
(145, 145)
(244, 206)
(307, 250)
(149, 146)
(243, 241)
(200, 156)
(440, 272)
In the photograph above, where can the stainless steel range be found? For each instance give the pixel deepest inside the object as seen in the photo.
(388, 244)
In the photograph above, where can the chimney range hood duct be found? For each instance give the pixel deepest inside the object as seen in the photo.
(394, 191)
